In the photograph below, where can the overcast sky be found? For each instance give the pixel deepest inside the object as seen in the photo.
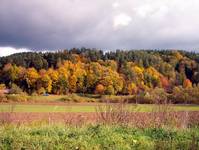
(103, 24)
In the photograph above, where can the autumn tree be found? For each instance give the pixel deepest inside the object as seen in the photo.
(54, 76)
(62, 82)
(99, 89)
(132, 88)
(187, 83)
(152, 77)
(94, 73)
(32, 77)
(45, 81)
(10, 73)
(112, 81)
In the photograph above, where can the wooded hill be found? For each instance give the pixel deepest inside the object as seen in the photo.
(141, 72)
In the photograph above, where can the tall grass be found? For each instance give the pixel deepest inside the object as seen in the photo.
(162, 115)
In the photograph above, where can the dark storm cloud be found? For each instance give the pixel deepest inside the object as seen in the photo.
(106, 24)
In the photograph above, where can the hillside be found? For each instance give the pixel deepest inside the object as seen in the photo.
(148, 74)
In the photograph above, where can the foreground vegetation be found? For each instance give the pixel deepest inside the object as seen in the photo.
(147, 75)
(98, 137)
(111, 126)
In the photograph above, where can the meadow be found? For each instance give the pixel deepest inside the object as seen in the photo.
(79, 122)
(82, 107)
(96, 137)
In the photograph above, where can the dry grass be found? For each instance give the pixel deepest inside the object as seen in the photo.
(163, 115)
(113, 113)
(6, 118)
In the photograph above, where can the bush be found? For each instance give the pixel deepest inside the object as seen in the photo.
(143, 98)
(76, 98)
(155, 96)
(41, 91)
(2, 86)
(185, 95)
(3, 98)
(110, 90)
(158, 96)
(34, 94)
(15, 89)
(17, 98)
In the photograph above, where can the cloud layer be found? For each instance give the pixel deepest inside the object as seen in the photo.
(105, 24)
(5, 51)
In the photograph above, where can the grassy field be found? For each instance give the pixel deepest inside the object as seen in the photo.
(42, 131)
(82, 108)
(97, 137)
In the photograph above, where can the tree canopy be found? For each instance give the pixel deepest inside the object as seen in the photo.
(94, 71)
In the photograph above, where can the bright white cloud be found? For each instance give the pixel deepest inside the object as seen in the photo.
(5, 51)
(121, 20)
(116, 5)
(144, 10)
(149, 10)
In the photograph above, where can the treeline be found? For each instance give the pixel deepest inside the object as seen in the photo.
(174, 73)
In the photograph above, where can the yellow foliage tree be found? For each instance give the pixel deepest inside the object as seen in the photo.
(72, 83)
(46, 82)
(132, 88)
(31, 77)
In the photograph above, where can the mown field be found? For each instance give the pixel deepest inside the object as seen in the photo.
(64, 107)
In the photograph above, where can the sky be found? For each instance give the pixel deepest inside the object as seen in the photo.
(103, 24)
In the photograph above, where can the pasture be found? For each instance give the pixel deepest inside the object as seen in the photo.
(83, 107)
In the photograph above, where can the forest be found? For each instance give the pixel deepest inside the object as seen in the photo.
(148, 74)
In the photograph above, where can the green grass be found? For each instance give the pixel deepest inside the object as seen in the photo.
(96, 137)
(46, 108)
(82, 108)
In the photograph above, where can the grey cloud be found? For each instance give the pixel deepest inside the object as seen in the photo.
(49, 24)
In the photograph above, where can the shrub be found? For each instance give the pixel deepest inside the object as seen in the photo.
(34, 94)
(76, 98)
(15, 89)
(143, 98)
(17, 98)
(3, 98)
(2, 86)
(110, 90)
(41, 91)
(185, 95)
(158, 95)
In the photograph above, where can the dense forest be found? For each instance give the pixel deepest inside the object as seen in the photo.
(135, 72)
